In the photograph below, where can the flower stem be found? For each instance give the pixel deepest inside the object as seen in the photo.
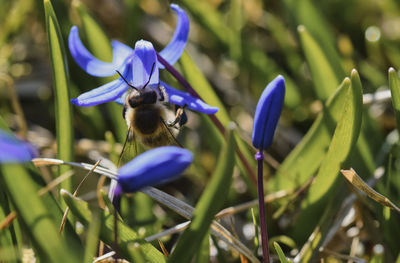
(213, 118)
(260, 189)
(117, 204)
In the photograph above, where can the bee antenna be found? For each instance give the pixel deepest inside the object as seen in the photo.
(130, 85)
(151, 74)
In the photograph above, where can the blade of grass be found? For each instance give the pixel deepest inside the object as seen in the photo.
(209, 204)
(256, 232)
(201, 86)
(339, 152)
(37, 218)
(126, 235)
(324, 78)
(229, 37)
(100, 46)
(357, 182)
(171, 202)
(303, 162)
(92, 238)
(281, 255)
(64, 131)
(211, 19)
(7, 234)
(305, 159)
(305, 13)
(136, 253)
(203, 254)
(394, 85)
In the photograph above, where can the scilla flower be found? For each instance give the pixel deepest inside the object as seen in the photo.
(138, 66)
(267, 114)
(266, 118)
(13, 150)
(154, 167)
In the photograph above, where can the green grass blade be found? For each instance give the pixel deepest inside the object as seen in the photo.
(64, 131)
(126, 235)
(200, 84)
(324, 77)
(136, 254)
(100, 46)
(209, 204)
(306, 13)
(342, 144)
(36, 216)
(211, 19)
(36, 181)
(281, 255)
(229, 37)
(394, 85)
(236, 21)
(305, 159)
(92, 238)
(203, 254)
(10, 251)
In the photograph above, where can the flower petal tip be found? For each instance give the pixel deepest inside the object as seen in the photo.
(172, 52)
(154, 167)
(13, 150)
(91, 64)
(212, 110)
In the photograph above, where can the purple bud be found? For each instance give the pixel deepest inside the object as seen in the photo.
(267, 114)
(154, 167)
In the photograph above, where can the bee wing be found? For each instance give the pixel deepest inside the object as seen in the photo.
(130, 142)
(171, 137)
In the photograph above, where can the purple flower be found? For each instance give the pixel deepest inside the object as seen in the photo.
(139, 66)
(267, 114)
(13, 150)
(153, 167)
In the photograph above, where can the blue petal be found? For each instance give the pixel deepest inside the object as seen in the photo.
(92, 65)
(142, 64)
(120, 100)
(172, 52)
(107, 92)
(13, 150)
(154, 167)
(120, 53)
(182, 98)
(267, 114)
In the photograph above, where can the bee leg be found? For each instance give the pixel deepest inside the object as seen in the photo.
(161, 91)
(180, 116)
(124, 111)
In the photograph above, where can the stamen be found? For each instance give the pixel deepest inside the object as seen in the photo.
(151, 74)
(130, 85)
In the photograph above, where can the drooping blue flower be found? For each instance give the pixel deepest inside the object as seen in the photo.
(267, 114)
(13, 150)
(139, 66)
(153, 167)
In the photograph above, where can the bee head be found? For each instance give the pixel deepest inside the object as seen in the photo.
(142, 97)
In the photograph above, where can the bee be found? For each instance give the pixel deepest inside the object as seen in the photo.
(145, 115)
